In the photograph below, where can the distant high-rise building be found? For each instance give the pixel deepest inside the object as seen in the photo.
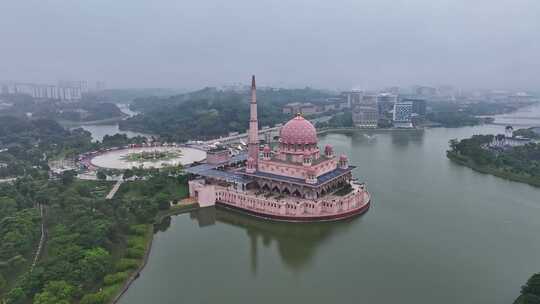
(426, 91)
(299, 108)
(81, 85)
(369, 100)
(364, 110)
(365, 116)
(446, 91)
(521, 97)
(100, 86)
(353, 97)
(385, 103)
(41, 91)
(393, 90)
(403, 114)
(418, 106)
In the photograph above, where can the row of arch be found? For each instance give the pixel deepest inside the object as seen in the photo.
(302, 191)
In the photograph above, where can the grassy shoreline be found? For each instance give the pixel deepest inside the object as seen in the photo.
(467, 162)
(121, 289)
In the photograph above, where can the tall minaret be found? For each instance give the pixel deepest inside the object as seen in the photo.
(253, 136)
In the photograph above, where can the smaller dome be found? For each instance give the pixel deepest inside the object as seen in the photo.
(343, 157)
(267, 149)
(328, 148)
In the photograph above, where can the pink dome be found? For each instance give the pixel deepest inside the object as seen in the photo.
(298, 131)
(267, 149)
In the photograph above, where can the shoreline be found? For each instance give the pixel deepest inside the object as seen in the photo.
(492, 171)
(374, 130)
(189, 208)
(179, 210)
(73, 124)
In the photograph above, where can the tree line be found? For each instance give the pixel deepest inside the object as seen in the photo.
(210, 113)
(92, 244)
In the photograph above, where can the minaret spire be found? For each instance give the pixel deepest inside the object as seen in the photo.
(253, 134)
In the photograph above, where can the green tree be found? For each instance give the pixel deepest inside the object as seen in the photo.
(8, 206)
(16, 296)
(93, 298)
(527, 299)
(68, 177)
(162, 201)
(56, 292)
(95, 264)
(3, 283)
(128, 173)
(532, 286)
(101, 175)
(453, 144)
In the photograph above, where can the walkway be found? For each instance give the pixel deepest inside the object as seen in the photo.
(242, 136)
(114, 189)
(41, 240)
(8, 180)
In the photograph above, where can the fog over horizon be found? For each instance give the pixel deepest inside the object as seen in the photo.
(324, 44)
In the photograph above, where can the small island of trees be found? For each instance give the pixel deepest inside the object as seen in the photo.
(520, 163)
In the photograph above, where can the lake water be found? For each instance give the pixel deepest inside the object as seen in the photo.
(99, 131)
(437, 233)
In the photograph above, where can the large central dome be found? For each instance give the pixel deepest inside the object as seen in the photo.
(298, 131)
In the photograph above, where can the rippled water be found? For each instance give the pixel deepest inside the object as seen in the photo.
(437, 233)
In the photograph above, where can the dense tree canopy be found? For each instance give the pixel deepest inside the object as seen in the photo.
(521, 163)
(530, 292)
(210, 113)
(56, 110)
(89, 239)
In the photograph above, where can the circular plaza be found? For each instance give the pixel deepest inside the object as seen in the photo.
(147, 157)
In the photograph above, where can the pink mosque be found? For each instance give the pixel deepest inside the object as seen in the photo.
(294, 182)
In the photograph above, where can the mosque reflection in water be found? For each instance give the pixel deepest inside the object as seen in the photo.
(297, 243)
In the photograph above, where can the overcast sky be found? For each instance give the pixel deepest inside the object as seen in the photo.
(327, 44)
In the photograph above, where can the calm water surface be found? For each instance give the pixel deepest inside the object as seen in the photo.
(437, 233)
(99, 131)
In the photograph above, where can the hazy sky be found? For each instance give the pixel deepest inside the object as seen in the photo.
(328, 44)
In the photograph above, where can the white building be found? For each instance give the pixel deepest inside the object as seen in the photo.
(39, 91)
(365, 116)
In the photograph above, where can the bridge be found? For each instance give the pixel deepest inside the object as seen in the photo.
(267, 134)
